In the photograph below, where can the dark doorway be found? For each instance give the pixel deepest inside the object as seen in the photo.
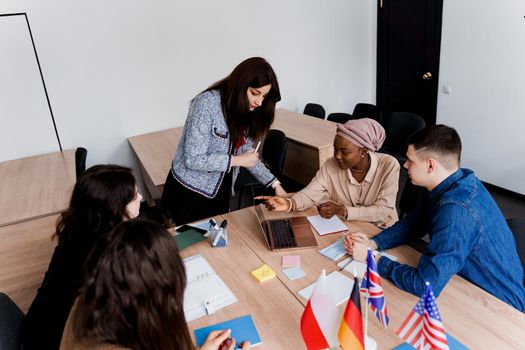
(408, 43)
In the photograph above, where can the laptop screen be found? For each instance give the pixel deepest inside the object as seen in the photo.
(259, 216)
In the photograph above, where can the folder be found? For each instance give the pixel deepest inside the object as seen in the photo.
(243, 329)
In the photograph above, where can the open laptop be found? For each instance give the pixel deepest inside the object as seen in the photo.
(290, 233)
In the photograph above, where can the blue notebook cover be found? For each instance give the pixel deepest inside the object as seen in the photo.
(243, 329)
(453, 344)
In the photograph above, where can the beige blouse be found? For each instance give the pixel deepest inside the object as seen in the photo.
(373, 200)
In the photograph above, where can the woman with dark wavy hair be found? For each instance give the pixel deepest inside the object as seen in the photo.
(222, 123)
(104, 196)
(133, 295)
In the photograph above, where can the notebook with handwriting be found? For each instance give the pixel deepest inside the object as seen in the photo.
(243, 329)
(205, 291)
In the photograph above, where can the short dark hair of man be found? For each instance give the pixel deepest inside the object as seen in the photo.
(439, 141)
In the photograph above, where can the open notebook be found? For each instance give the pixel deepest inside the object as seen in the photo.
(205, 291)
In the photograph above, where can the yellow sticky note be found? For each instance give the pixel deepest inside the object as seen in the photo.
(263, 273)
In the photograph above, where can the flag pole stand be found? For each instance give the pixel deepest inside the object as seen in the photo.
(370, 343)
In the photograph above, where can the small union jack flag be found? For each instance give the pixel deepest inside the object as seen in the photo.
(372, 288)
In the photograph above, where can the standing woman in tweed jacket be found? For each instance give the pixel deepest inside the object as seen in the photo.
(218, 138)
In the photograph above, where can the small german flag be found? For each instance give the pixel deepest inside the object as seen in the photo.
(351, 328)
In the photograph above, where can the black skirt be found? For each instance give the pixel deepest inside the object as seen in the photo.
(183, 205)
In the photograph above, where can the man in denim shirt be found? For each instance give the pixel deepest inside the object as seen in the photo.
(468, 233)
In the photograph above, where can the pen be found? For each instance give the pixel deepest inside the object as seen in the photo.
(348, 263)
(224, 223)
(256, 148)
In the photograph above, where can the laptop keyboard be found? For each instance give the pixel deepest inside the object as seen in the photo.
(282, 234)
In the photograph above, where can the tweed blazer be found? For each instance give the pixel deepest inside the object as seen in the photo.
(205, 150)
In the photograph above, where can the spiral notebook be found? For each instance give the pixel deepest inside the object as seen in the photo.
(205, 291)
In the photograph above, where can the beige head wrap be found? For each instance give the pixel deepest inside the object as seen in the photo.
(363, 132)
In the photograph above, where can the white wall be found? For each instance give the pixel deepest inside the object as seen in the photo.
(27, 126)
(124, 67)
(483, 59)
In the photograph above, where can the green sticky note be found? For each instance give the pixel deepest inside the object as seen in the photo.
(187, 238)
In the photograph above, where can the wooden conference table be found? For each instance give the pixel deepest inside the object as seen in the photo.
(34, 190)
(35, 186)
(471, 315)
(310, 143)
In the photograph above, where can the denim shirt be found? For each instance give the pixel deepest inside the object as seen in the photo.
(468, 236)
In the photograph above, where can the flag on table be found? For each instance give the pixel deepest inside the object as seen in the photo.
(423, 327)
(371, 286)
(319, 319)
(351, 328)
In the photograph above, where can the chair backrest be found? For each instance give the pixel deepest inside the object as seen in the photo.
(339, 117)
(80, 160)
(314, 110)
(11, 318)
(398, 129)
(274, 151)
(410, 197)
(517, 226)
(366, 110)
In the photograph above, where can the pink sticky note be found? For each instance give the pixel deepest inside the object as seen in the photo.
(291, 260)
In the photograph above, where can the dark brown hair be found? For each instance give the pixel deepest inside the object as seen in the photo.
(441, 140)
(98, 203)
(254, 72)
(133, 294)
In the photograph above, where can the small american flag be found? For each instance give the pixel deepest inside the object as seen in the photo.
(371, 287)
(423, 328)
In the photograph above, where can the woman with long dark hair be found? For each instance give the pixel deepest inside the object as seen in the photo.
(222, 123)
(104, 196)
(133, 295)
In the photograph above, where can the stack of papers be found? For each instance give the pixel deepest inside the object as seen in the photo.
(325, 226)
(338, 285)
(334, 251)
(291, 261)
(353, 266)
(294, 273)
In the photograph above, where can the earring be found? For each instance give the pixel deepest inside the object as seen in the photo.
(362, 155)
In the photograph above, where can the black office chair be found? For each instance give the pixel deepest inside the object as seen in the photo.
(517, 226)
(273, 155)
(339, 117)
(80, 160)
(398, 129)
(366, 110)
(314, 110)
(410, 198)
(11, 318)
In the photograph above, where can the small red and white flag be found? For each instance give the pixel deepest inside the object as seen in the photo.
(320, 320)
